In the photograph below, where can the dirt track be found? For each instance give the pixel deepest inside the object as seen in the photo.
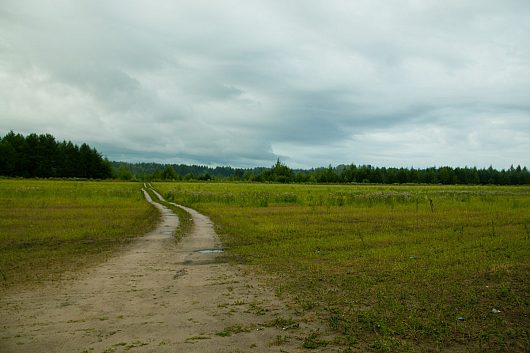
(155, 296)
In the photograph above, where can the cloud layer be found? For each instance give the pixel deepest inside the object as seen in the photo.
(242, 83)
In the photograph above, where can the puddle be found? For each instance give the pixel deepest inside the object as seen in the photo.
(208, 251)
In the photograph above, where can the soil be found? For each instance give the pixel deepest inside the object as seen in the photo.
(157, 295)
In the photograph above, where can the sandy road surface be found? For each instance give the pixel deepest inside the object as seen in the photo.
(155, 296)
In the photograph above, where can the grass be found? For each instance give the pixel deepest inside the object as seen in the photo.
(390, 268)
(49, 227)
(312, 341)
(235, 329)
(185, 220)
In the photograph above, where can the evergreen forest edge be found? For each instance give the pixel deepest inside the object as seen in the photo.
(42, 156)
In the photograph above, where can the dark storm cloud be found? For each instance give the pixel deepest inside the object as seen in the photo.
(241, 83)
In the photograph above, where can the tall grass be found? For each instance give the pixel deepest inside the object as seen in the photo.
(391, 268)
(49, 227)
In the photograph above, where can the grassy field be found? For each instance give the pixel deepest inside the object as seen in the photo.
(391, 268)
(49, 227)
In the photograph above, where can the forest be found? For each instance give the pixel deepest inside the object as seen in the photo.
(281, 173)
(41, 156)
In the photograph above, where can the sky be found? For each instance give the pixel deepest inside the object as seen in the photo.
(388, 83)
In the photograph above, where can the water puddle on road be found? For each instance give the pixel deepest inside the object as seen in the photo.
(208, 251)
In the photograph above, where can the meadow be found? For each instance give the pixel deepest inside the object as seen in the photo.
(390, 268)
(50, 227)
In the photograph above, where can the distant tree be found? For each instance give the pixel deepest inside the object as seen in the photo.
(124, 173)
(18, 142)
(348, 173)
(85, 161)
(239, 174)
(69, 155)
(7, 158)
(279, 173)
(205, 177)
(301, 177)
(42, 156)
(157, 175)
(445, 175)
(340, 174)
(169, 173)
(47, 152)
(326, 175)
(525, 178)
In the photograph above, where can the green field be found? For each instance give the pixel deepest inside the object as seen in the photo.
(49, 227)
(390, 268)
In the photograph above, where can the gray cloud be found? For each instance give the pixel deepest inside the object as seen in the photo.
(416, 83)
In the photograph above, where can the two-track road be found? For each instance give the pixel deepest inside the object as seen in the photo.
(157, 295)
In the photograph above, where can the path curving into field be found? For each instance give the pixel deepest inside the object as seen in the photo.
(156, 295)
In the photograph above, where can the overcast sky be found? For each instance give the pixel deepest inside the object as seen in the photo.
(388, 83)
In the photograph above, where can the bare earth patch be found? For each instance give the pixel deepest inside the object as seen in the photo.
(157, 296)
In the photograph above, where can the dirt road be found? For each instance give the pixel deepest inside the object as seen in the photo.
(157, 295)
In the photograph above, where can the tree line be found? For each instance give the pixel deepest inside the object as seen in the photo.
(281, 173)
(434, 175)
(157, 171)
(41, 156)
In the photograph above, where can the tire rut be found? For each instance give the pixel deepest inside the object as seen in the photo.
(156, 295)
